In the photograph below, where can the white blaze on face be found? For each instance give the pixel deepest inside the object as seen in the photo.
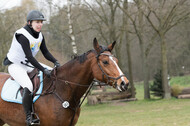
(119, 70)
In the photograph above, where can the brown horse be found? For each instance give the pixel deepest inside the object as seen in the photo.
(70, 84)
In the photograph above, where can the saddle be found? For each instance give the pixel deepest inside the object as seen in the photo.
(35, 81)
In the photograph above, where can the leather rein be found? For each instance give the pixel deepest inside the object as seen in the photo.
(52, 87)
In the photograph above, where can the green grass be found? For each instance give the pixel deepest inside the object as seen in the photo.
(182, 81)
(139, 113)
(173, 112)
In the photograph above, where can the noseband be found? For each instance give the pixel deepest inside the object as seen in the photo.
(109, 78)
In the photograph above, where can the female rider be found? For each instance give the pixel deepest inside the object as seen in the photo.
(25, 44)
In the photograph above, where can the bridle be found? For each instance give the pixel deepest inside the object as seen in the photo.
(54, 78)
(110, 79)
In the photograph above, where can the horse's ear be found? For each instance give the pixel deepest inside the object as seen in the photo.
(96, 45)
(111, 46)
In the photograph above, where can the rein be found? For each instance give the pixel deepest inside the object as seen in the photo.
(54, 79)
(65, 104)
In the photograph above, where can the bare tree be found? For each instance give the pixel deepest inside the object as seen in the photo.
(162, 16)
(103, 20)
(106, 20)
(136, 16)
(128, 46)
(73, 43)
(136, 20)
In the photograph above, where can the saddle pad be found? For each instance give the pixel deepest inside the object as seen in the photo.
(11, 87)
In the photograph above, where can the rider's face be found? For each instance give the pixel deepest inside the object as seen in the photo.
(37, 25)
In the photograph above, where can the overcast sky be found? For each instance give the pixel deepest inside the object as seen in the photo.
(6, 4)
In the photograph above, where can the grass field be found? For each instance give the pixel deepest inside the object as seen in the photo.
(173, 112)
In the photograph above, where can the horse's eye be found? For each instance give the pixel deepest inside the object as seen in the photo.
(105, 62)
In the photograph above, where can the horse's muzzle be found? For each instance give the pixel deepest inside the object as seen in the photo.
(123, 86)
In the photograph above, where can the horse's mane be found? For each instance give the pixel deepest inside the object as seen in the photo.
(83, 57)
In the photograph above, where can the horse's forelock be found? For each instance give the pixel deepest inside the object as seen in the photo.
(103, 48)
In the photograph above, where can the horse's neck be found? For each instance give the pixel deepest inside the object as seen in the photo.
(79, 77)
(77, 73)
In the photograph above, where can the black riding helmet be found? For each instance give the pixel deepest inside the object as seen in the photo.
(35, 15)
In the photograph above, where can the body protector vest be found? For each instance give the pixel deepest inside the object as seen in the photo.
(16, 53)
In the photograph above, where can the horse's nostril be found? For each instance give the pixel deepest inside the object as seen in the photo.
(124, 86)
(122, 83)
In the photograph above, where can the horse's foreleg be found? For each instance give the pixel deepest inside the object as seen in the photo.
(1, 123)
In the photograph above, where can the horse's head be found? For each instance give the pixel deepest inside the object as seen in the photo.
(106, 69)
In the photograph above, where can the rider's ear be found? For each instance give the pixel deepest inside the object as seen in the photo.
(111, 46)
(96, 45)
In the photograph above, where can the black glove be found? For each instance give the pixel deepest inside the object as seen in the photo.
(56, 64)
(47, 72)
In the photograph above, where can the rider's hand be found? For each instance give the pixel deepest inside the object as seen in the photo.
(56, 64)
(47, 72)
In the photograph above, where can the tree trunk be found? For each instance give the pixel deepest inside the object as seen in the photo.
(130, 67)
(146, 79)
(128, 50)
(165, 85)
(145, 70)
(139, 32)
(73, 43)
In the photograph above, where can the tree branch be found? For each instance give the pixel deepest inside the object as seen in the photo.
(96, 13)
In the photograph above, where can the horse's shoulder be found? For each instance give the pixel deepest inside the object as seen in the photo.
(4, 75)
(3, 78)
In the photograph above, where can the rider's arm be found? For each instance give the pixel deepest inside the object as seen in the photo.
(45, 51)
(26, 48)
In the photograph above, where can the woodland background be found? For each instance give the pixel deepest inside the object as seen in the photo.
(151, 35)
